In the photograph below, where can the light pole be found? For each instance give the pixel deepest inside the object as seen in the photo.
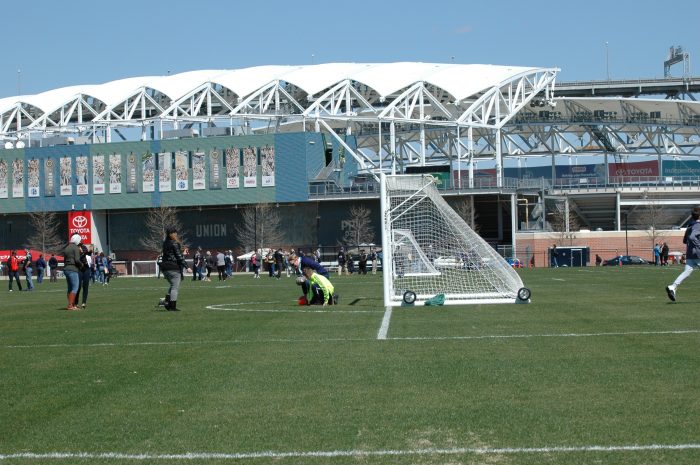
(627, 249)
(607, 60)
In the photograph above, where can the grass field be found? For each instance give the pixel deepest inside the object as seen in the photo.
(599, 369)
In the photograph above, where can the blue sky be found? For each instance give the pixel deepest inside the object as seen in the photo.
(61, 43)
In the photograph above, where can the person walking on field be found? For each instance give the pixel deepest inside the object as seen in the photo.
(691, 239)
(13, 269)
(71, 269)
(173, 265)
(53, 269)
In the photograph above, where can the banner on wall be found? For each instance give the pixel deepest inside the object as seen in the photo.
(66, 174)
(267, 160)
(131, 174)
(233, 168)
(79, 222)
(198, 171)
(164, 172)
(33, 178)
(18, 178)
(214, 170)
(250, 167)
(98, 174)
(680, 168)
(631, 172)
(181, 171)
(81, 175)
(3, 179)
(148, 171)
(115, 173)
(49, 177)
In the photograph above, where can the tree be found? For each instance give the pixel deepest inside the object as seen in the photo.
(260, 226)
(358, 228)
(157, 221)
(564, 223)
(46, 236)
(653, 218)
(465, 209)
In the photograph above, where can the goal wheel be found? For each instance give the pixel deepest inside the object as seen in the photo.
(409, 297)
(524, 294)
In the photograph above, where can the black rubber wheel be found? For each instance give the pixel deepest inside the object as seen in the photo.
(409, 297)
(524, 294)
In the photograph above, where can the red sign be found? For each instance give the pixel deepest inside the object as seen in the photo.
(80, 222)
(634, 171)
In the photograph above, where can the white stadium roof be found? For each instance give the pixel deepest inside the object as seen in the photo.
(207, 94)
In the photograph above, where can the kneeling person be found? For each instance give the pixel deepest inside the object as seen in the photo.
(317, 288)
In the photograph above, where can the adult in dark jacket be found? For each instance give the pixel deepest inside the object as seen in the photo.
(72, 268)
(172, 266)
(691, 239)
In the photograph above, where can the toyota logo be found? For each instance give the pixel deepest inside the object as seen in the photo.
(79, 221)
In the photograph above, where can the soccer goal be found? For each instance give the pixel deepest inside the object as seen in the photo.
(428, 250)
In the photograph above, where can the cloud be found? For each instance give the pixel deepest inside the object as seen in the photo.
(466, 29)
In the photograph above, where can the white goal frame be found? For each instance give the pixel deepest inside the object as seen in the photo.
(472, 273)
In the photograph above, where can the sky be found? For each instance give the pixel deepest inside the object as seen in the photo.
(49, 44)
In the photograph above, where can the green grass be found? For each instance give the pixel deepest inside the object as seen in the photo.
(599, 358)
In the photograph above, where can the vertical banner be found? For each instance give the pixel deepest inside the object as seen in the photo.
(49, 177)
(181, 171)
(3, 179)
(233, 168)
(33, 178)
(115, 173)
(98, 174)
(131, 174)
(198, 171)
(214, 170)
(79, 222)
(250, 167)
(66, 176)
(81, 175)
(267, 155)
(18, 178)
(165, 183)
(148, 171)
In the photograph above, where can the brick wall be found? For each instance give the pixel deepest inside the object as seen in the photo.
(607, 244)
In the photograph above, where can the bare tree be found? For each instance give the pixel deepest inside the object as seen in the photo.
(358, 228)
(260, 226)
(564, 225)
(465, 210)
(157, 221)
(46, 236)
(653, 218)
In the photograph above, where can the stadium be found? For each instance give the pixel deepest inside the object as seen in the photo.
(599, 368)
(533, 159)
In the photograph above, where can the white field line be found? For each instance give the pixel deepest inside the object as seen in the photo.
(384, 328)
(348, 453)
(329, 310)
(357, 339)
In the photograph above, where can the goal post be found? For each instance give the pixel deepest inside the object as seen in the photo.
(428, 250)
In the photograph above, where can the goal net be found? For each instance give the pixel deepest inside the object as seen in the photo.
(429, 250)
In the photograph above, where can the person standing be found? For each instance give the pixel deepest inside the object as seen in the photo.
(221, 266)
(53, 269)
(341, 261)
(86, 274)
(374, 257)
(664, 254)
(657, 254)
(71, 269)
(691, 239)
(40, 267)
(13, 269)
(28, 268)
(279, 262)
(362, 262)
(173, 265)
(555, 256)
